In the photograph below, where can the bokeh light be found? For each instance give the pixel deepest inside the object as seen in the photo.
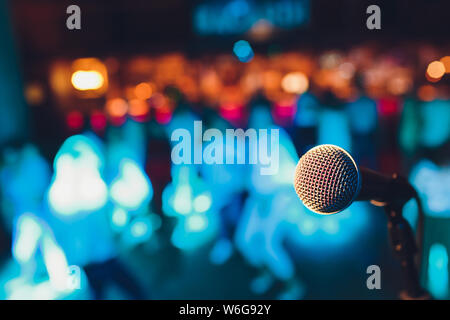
(75, 120)
(436, 70)
(295, 82)
(243, 51)
(116, 108)
(446, 62)
(143, 91)
(87, 80)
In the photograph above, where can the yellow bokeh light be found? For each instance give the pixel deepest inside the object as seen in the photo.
(295, 82)
(87, 80)
(436, 70)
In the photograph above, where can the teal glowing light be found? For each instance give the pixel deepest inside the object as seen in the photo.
(32, 235)
(77, 184)
(188, 200)
(120, 217)
(26, 240)
(438, 271)
(139, 229)
(183, 199)
(132, 188)
(56, 263)
(307, 226)
(334, 128)
(197, 222)
(243, 51)
(202, 202)
(24, 180)
(436, 123)
(433, 184)
(409, 126)
(221, 252)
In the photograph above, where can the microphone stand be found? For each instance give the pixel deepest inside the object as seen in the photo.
(405, 248)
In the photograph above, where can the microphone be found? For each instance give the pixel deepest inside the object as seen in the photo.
(327, 180)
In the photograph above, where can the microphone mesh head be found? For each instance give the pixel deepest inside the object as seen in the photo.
(326, 179)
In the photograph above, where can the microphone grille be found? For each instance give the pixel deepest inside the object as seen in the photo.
(326, 179)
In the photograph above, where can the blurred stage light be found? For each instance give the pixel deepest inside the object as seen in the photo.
(56, 263)
(399, 83)
(119, 217)
(163, 115)
(438, 271)
(34, 94)
(295, 82)
(132, 188)
(446, 62)
(435, 123)
(89, 77)
(28, 233)
(75, 120)
(182, 202)
(77, 184)
(98, 121)
(139, 109)
(202, 202)
(116, 108)
(433, 184)
(193, 228)
(87, 80)
(231, 112)
(261, 30)
(221, 252)
(436, 70)
(426, 92)
(197, 222)
(388, 107)
(243, 51)
(330, 60)
(139, 229)
(143, 91)
(346, 70)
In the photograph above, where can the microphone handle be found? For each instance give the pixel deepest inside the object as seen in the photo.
(384, 189)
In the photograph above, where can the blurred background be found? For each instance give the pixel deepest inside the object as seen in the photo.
(92, 206)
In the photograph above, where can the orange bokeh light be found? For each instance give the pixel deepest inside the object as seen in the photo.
(446, 62)
(138, 108)
(117, 107)
(143, 91)
(436, 70)
(426, 93)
